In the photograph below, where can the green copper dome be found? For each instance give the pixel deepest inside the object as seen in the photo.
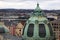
(37, 27)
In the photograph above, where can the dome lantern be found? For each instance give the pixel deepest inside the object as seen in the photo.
(38, 11)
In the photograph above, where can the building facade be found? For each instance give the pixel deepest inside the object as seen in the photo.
(56, 28)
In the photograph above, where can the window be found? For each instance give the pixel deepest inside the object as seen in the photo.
(30, 30)
(55, 27)
(50, 28)
(2, 30)
(42, 31)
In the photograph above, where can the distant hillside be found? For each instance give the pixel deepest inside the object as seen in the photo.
(28, 10)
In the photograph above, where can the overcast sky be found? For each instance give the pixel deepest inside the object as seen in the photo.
(30, 4)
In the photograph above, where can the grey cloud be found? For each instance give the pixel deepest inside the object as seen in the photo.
(44, 4)
(53, 5)
(24, 0)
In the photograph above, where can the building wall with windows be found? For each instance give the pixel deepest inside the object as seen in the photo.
(56, 28)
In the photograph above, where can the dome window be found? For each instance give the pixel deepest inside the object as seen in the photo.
(30, 30)
(42, 31)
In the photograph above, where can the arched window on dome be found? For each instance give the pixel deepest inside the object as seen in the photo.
(42, 30)
(30, 30)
